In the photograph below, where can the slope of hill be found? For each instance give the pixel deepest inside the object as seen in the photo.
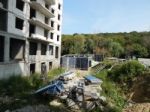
(108, 44)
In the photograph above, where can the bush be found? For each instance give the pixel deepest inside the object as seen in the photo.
(126, 71)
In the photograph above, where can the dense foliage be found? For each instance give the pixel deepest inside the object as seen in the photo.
(108, 44)
(126, 71)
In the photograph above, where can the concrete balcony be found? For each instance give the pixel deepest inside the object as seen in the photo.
(50, 2)
(50, 40)
(46, 58)
(35, 58)
(37, 6)
(40, 38)
(41, 24)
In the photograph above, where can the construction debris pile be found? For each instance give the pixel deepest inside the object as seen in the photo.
(78, 92)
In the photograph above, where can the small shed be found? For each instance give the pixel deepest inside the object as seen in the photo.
(82, 62)
(144, 61)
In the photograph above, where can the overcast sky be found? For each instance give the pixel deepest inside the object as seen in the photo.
(94, 16)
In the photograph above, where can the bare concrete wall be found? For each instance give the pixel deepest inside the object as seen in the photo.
(24, 15)
(9, 69)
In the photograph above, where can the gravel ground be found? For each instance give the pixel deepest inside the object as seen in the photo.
(140, 107)
(37, 108)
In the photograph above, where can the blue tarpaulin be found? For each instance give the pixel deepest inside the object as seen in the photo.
(54, 88)
(93, 79)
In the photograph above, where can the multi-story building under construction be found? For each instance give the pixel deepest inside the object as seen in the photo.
(30, 36)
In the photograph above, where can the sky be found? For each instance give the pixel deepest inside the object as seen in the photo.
(101, 16)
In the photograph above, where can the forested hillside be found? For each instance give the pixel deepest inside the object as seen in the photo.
(108, 44)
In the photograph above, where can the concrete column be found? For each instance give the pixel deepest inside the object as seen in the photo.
(6, 49)
(27, 51)
(47, 50)
(54, 50)
(26, 58)
(59, 52)
(47, 56)
(38, 63)
(47, 66)
(38, 67)
(39, 49)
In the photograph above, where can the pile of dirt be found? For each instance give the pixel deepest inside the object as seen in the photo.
(140, 91)
(140, 95)
(141, 107)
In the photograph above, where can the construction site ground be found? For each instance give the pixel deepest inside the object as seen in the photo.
(139, 107)
(136, 107)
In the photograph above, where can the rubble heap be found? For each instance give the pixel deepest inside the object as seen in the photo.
(79, 92)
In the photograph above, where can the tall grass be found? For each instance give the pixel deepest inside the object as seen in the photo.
(20, 90)
(17, 85)
(55, 73)
(113, 93)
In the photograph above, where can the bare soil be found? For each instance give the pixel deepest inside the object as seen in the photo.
(140, 107)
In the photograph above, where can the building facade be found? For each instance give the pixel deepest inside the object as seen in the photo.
(30, 36)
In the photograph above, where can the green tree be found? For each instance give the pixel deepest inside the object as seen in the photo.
(89, 46)
(77, 46)
(67, 42)
(128, 70)
(108, 44)
(116, 49)
(139, 50)
(146, 42)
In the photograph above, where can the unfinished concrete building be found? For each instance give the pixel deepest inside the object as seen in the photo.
(30, 36)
